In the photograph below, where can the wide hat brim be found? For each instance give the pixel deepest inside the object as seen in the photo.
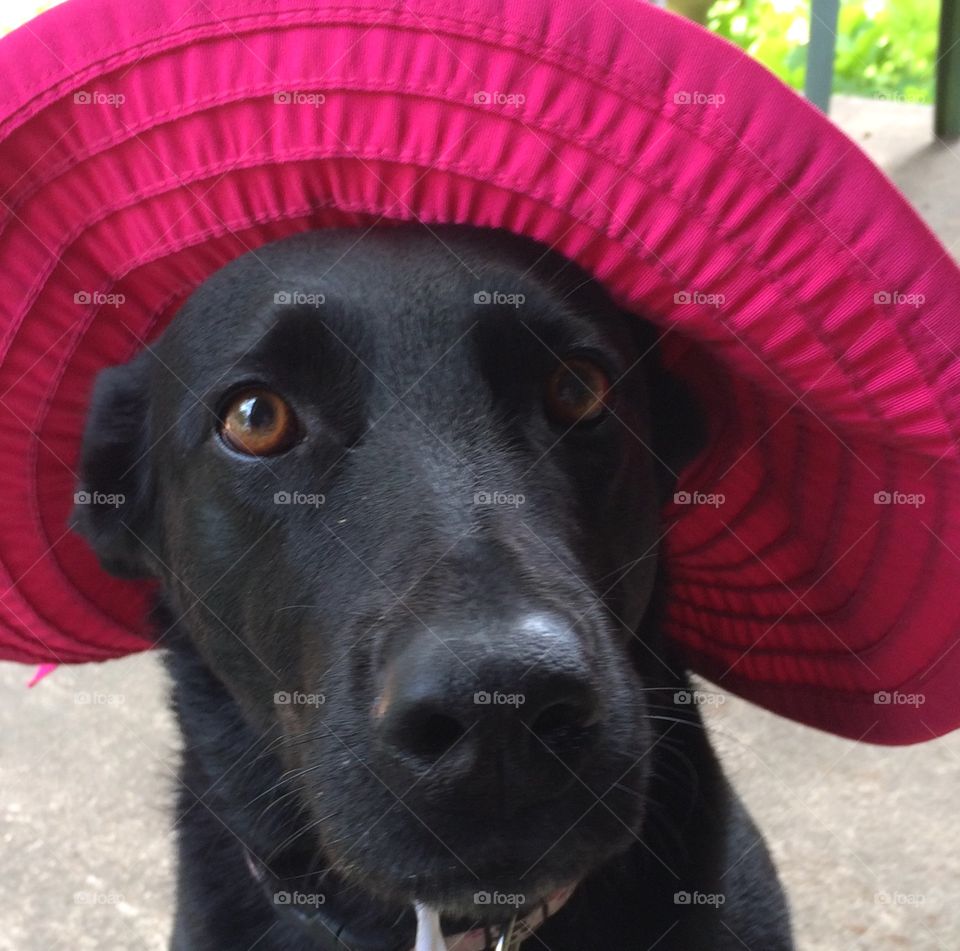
(814, 549)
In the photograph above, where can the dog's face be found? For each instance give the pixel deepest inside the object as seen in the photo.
(404, 491)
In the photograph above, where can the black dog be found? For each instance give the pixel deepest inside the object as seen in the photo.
(402, 492)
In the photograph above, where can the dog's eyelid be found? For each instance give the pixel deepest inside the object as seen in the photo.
(226, 394)
(601, 357)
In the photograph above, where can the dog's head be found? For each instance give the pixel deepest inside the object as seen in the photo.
(403, 489)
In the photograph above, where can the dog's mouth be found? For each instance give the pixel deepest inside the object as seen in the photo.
(506, 936)
(332, 917)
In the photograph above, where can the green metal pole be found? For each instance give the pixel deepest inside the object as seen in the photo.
(821, 52)
(948, 72)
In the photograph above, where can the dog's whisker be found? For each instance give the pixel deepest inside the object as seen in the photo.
(288, 776)
(274, 803)
(299, 833)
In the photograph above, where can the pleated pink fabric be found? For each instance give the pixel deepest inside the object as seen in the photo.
(815, 547)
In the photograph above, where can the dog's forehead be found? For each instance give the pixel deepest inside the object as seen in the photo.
(380, 295)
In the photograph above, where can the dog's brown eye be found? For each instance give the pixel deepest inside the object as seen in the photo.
(259, 423)
(577, 391)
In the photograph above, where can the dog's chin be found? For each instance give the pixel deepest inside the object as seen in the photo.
(366, 921)
(489, 885)
(464, 906)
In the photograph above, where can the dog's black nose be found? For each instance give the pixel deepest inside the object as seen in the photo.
(507, 710)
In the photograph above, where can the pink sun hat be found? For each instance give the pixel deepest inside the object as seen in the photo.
(814, 546)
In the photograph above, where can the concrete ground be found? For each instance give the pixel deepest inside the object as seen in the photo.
(866, 838)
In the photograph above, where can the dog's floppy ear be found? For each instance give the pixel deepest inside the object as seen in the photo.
(113, 504)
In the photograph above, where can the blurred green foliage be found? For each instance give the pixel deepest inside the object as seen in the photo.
(885, 48)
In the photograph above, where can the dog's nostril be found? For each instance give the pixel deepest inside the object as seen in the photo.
(426, 733)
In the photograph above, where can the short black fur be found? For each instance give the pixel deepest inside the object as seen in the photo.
(335, 614)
